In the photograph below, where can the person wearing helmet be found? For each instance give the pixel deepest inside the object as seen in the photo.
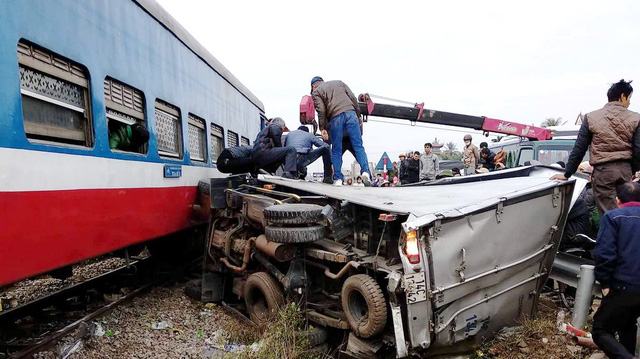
(470, 156)
(268, 152)
(402, 167)
(339, 120)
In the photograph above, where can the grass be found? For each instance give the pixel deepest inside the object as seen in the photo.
(284, 338)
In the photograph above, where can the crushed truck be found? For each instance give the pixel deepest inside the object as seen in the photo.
(425, 269)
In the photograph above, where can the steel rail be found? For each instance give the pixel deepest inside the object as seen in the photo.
(46, 342)
(11, 313)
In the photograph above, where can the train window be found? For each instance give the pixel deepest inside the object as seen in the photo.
(197, 139)
(125, 110)
(244, 141)
(232, 141)
(55, 97)
(168, 129)
(217, 141)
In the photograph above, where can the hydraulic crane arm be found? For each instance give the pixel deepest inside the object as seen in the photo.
(418, 113)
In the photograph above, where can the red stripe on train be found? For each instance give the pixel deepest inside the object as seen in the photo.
(44, 230)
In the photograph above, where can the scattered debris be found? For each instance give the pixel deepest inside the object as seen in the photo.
(540, 338)
(161, 325)
(98, 329)
(165, 323)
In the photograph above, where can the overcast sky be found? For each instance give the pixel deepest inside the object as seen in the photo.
(513, 60)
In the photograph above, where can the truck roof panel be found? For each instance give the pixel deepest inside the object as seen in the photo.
(446, 198)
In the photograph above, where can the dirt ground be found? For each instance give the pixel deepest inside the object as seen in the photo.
(537, 338)
(165, 323)
(161, 324)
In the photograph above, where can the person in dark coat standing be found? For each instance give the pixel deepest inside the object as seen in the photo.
(402, 168)
(611, 134)
(413, 168)
(618, 271)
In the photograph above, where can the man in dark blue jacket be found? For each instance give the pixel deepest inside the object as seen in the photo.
(268, 150)
(617, 257)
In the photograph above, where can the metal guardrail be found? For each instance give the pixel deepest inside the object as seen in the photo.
(566, 269)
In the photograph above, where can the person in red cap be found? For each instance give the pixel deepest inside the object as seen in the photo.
(339, 122)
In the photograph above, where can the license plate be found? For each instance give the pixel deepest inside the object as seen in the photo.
(415, 286)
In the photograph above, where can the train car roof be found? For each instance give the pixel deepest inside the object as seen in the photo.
(165, 19)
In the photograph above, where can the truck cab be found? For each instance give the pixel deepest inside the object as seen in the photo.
(520, 151)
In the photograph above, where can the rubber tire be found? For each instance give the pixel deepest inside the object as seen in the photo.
(317, 336)
(263, 297)
(364, 305)
(294, 234)
(293, 213)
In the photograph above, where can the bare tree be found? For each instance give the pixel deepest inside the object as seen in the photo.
(553, 122)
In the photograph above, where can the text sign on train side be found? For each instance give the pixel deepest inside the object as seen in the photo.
(172, 171)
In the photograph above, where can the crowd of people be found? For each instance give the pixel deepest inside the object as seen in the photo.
(608, 206)
(340, 124)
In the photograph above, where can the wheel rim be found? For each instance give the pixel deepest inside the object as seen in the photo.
(358, 306)
(258, 303)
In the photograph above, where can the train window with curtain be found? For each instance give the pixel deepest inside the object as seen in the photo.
(125, 111)
(197, 138)
(244, 141)
(168, 129)
(217, 142)
(55, 97)
(232, 140)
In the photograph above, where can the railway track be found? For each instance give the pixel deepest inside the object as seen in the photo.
(40, 324)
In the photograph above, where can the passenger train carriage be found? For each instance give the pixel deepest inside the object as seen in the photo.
(71, 70)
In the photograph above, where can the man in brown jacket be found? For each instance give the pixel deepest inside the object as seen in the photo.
(339, 122)
(470, 156)
(612, 137)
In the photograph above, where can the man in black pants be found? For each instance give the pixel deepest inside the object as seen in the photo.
(268, 150)
(617, 269)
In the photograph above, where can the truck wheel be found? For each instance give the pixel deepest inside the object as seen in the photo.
(263, 297)
(294, 234)
(293, 213)
(364, 305)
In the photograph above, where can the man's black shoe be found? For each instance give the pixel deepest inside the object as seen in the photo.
(327, 180)
(289, 175)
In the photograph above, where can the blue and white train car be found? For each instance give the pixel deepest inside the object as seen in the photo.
(69, 72)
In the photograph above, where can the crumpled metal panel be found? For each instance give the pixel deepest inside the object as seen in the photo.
(486, 311)
(524, 229)
(449, 198)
